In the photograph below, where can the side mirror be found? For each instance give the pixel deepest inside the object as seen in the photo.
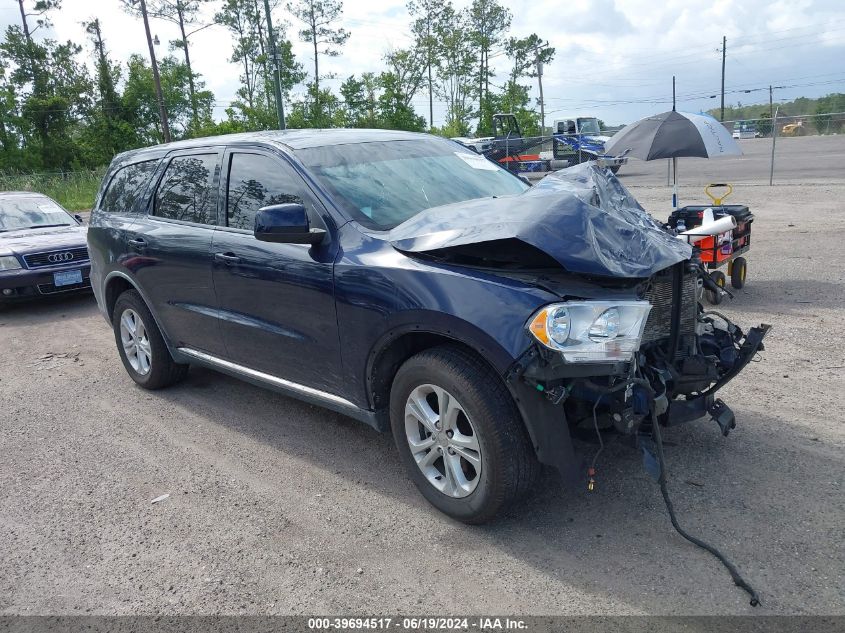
(286, 224)
(78, 218)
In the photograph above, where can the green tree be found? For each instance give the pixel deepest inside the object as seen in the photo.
(140, 102)
(428, 19)
(254, 109)
(455, 62)
(523, 54)
(825, 106)
(48, 104)
(358, 109)
(487, 23)
(407, 65)
(304, 113)
(394, 107)
(319, 18)
(108, 131)
(185, 15)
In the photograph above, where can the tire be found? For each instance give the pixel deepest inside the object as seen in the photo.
(739, 269)
(503, 470)
(719, 279)
(159, 369)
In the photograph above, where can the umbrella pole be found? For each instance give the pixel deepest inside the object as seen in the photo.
(674, 182)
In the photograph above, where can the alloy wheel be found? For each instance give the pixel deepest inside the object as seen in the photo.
(442, 440)
(136, 342)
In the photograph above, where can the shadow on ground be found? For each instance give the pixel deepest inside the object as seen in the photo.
(617, 541)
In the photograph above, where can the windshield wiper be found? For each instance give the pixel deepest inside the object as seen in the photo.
(45, 226)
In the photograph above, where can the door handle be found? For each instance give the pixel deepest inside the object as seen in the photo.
(138, 243)
(227, 258)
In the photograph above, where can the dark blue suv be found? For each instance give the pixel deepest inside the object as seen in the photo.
(408, 282)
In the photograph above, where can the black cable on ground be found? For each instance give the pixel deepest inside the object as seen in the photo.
(739, 581)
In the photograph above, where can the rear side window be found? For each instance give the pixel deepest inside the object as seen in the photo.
(126, 187)
(257, 181)
(187, 191)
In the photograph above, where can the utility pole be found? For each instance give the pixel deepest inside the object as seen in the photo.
(673, 93)
(539, 62)
(542, 103)
(724, 49)
(165, 126)
(771, 110)
(277, 62)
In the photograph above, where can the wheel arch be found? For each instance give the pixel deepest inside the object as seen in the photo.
(399, 344)
(118, 282)
(544, 421)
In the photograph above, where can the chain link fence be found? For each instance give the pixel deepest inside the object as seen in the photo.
(789, 125)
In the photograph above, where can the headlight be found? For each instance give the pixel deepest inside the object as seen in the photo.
(9, 262)
(591, 331)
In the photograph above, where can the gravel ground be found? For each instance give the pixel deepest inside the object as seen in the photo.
(277, 507)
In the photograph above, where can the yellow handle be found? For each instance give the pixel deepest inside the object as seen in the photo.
(718, 201)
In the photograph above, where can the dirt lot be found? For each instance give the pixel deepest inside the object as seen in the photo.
(280, 507)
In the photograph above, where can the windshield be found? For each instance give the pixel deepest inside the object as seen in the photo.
(383, 184)
(588, 126)
(30, 212)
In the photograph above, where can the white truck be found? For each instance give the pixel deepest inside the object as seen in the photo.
(578, 139)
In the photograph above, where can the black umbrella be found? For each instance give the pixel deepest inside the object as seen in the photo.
(674, 135)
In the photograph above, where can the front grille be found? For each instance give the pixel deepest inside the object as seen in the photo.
(659, 295)
(51, 289)
(56, 258)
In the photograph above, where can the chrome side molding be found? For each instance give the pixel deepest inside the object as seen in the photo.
(212, 361)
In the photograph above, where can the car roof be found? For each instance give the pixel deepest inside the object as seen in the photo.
(290, 139)
(23, 194)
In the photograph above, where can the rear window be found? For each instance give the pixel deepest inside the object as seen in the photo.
(187, 190)
(126, 187)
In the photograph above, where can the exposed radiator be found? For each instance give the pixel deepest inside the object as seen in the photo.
(659, 323)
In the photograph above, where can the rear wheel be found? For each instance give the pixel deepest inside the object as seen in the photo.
(141, 345)
(739, 268)
(719, 279)
(460, 435)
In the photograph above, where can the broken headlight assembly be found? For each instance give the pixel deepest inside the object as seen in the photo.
(591, 331)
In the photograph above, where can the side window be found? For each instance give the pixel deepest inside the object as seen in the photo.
(257, 181)
(187, 190)
(126, 187)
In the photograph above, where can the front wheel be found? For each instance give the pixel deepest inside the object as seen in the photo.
(460, 435)
(141, 345)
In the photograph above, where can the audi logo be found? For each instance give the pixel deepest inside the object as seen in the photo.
(57, 258)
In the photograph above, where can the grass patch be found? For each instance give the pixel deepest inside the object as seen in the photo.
(75, 191)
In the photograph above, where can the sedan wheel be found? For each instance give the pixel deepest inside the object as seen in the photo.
(442, 441)
(136, 342)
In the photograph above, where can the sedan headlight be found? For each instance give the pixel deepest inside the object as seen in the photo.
(9, 262)
(591, 331)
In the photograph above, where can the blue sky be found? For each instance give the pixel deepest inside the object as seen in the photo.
(615, 58)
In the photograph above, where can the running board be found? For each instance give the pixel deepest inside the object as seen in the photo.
(308, 394)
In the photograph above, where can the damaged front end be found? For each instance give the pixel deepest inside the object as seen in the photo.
(628, 343)
(669, 369)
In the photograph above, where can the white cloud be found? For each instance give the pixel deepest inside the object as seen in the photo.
(615, 58)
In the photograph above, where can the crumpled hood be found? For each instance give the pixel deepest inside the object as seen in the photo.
(582, 217)
(32, 240)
